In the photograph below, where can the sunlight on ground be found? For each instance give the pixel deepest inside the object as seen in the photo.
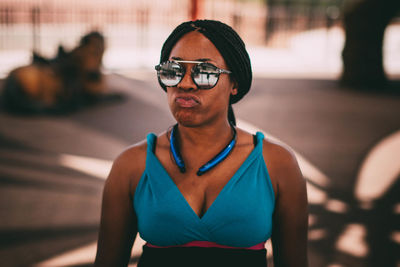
(98, 168)
(382, 163)
(337, 206)
(85, 255)
(352, 241)
(396, 237)
(396, 209)
(77, 256)
(317, 234)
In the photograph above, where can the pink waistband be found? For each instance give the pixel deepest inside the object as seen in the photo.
(207, 244)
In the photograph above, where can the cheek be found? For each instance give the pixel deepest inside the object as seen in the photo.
(217, 102)
(171, 102)
(225, 91)
(169, 97)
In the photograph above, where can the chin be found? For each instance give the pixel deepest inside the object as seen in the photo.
(187, 122)
(187, 119)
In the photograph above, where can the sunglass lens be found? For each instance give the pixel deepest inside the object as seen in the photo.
(170, 73)
(205, 75)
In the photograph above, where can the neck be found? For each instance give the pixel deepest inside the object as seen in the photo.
(201, 148)
(204, 136)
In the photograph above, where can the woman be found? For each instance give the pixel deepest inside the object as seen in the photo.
(191, 210)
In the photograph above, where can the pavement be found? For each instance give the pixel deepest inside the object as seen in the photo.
(52, 168)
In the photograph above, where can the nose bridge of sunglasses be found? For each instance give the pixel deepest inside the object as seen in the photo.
(187, 79)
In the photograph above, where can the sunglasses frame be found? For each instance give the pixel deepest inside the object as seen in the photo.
(219, 71)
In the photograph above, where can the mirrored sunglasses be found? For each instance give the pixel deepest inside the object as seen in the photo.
(204, 75)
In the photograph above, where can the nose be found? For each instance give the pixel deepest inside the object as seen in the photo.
(187, 83)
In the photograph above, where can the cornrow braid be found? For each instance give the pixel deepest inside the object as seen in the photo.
(230, 46)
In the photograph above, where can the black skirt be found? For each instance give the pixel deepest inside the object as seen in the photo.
(200, 256)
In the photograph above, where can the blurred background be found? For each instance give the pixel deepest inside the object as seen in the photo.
(78, 85)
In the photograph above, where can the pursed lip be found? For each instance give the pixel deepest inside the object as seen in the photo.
(185, 100)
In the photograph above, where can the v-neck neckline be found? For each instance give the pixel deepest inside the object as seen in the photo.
(235, 176)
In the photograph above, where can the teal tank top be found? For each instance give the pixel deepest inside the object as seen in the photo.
(240, 216)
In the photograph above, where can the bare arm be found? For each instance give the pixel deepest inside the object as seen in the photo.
(290, 222)
(118, 226)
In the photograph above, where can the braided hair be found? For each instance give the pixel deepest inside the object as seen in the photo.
(230, 46)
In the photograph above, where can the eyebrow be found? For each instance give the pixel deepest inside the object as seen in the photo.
(200, 59)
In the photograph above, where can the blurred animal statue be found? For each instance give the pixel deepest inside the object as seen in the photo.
(66, 82)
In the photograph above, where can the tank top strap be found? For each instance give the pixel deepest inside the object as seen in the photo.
(260, 138)
(151, 142)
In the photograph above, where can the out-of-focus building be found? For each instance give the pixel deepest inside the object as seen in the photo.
(38, 24)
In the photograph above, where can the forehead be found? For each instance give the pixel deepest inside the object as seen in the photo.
(195, 45)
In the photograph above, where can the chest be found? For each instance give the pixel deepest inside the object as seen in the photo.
(200, 192)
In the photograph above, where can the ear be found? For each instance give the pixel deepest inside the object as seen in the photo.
(234, 89)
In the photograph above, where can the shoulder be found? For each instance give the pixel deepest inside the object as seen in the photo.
(278, 153)
(282, 166)
(132, 157)
(128, 167)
